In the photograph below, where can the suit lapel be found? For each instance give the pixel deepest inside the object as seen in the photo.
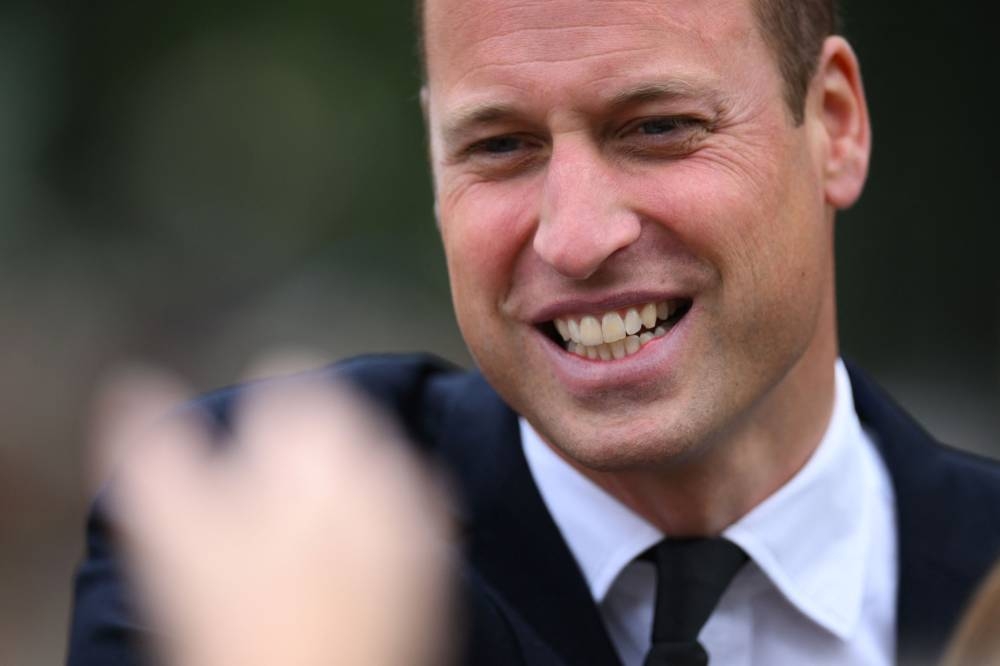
(937, 561)
(512, 541)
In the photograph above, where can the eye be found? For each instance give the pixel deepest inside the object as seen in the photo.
(499, 144)
(657, 126)
(662, 136)
(502, 155)
(660, 126)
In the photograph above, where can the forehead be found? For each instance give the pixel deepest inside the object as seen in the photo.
(528, 42)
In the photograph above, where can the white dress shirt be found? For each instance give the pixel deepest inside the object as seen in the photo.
(820, 587)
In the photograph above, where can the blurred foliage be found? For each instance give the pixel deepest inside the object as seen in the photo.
(189, 156)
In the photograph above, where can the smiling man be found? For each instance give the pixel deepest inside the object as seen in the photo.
(663, 460)
(639, 236)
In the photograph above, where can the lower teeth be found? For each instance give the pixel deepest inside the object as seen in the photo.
(619, 349)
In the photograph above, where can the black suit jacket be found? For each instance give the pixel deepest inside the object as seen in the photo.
(525, 594)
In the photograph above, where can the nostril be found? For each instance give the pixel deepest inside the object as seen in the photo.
(577, 246)
(572, 263)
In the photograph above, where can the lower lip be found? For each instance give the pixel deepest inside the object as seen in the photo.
(582, 376)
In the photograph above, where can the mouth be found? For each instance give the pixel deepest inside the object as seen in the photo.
(616, 334)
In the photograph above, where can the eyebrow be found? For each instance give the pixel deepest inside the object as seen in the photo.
(466, 119)
(674, 89)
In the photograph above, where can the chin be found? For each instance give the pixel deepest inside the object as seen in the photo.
(614, 448)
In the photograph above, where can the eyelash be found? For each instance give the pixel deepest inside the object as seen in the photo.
(482, 146)
(674, 123)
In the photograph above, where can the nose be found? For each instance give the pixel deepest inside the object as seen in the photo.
(583, 219)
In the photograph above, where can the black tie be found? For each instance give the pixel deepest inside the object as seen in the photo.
(691, 575)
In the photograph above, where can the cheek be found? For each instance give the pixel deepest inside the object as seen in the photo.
(759, 225)
(720, 215)
(484, 228)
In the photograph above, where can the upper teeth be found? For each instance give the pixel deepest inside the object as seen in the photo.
(593, 330)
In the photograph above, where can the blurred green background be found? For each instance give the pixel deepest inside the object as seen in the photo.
(194, 183)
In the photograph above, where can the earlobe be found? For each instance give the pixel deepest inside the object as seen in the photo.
(843, 112)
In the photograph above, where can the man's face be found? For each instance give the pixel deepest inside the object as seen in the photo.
(595, 158)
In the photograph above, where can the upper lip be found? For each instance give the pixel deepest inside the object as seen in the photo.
(599, 304)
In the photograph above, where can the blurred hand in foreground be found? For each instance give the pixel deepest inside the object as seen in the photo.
(308, 538)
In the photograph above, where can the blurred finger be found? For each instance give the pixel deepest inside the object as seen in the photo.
(282, 362)
(128, 402)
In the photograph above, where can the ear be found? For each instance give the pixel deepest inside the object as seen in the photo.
(425, 108)
(425, 102)
(837, 102)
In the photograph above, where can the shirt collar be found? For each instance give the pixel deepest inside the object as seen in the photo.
(603, 534)
(810, 538)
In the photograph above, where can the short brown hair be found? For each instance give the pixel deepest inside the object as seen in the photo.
(793, 29)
